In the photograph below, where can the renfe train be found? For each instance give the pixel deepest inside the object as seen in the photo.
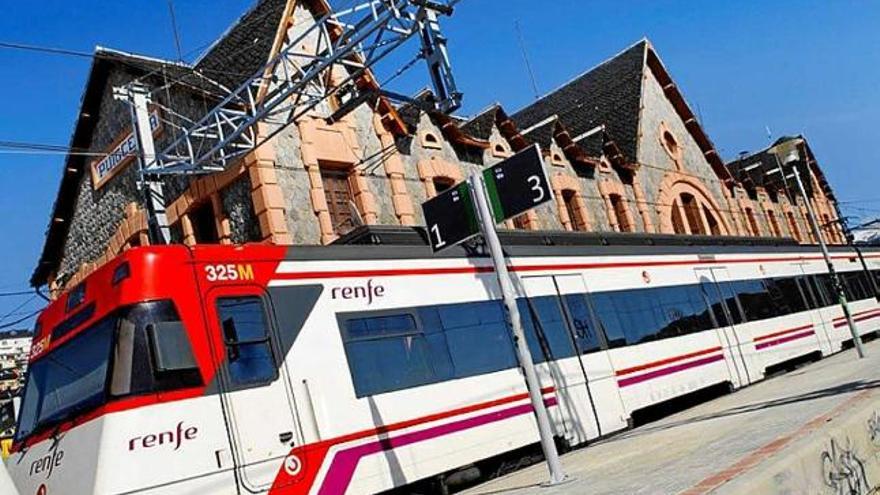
(358, 369)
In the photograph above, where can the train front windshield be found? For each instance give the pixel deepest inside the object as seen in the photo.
(69, 379)
(111, 359)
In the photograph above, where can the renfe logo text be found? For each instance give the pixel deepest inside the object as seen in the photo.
(47, 463)
(367, 291)
(174, 437)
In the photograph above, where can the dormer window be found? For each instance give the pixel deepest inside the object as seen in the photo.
(500, 151)
(430, 140)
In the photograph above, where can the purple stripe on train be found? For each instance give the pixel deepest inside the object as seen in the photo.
(782, 340)
(670, 370)
(344, 462)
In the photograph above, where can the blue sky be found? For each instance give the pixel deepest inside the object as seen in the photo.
(809, 67)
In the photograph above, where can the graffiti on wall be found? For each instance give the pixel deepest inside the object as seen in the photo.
(874, 429)
(843, 469)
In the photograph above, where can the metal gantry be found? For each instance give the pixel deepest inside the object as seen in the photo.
(341, 48)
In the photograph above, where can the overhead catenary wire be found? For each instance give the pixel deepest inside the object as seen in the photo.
(18, 307)
(22, 319)
(17, 293)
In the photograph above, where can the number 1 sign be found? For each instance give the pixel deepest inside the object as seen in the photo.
(450, 217)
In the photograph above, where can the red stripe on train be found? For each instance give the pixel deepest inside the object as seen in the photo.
(782, 332)
(400, 272)
(661, 362)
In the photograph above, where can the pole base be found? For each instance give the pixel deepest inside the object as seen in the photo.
(564, 481)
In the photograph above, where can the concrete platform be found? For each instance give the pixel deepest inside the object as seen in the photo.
(813, 430)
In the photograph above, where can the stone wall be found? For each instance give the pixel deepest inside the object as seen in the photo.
(97, 213)
(656, 163)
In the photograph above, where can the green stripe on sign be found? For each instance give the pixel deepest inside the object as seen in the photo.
(464, 190)
(494, 199)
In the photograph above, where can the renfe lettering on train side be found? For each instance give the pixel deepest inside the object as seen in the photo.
(367, 291)
(173, 437)
(47, 463)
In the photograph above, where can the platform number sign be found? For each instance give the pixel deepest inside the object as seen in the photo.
(513, 186)
(517, 184)
(450, 217)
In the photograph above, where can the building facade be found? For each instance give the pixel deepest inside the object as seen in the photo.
(623, 149)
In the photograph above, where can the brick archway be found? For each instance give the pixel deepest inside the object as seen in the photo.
(671, 189)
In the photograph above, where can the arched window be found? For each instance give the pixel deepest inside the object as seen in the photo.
(753, 223)
(670, 144)
(827, 229)
(714, 227)
(774, 225)
(793, 226)
(430, 140)
(677, 222)
(621, 213)
(442, 184)
(575, 215)
(692, 214)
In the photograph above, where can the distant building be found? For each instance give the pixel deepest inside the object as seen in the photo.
(624, 152)
(762, 191)
(867, 234)
(15, 347)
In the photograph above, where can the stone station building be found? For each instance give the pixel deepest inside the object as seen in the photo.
(624, 152)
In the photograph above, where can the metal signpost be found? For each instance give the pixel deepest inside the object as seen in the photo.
(505, 190)
(792, 157)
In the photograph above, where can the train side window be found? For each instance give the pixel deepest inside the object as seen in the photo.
(712, 296)
(476, 334)
(786, 295)
(856, 284)
(821, 290)
(606, 316)
(754, 299)
(807, 291)
(586, 334)
(545, 328)
(250, 360)
(388, 352)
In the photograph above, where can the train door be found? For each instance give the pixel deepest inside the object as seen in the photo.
(255, 389)
(725, 310)
(559, 325)
(810, 292)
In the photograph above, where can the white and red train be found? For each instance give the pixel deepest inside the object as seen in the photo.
(358, 369)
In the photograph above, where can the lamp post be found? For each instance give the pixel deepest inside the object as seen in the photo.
(793, 156)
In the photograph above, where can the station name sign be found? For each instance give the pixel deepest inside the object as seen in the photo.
(120, 154)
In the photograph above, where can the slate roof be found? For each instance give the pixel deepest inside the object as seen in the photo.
(245, 47)
(608, 94)
(757, 170)
(480, 126)
(594, 144)
(744, 169)
(542, 132)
